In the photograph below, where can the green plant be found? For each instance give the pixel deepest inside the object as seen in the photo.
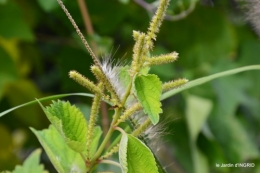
(134, 95)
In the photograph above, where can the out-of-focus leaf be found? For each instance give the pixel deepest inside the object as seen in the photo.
(62, 157)
(197, 112)
(48, 5)
(231, 135)
(230, 96)
(124, 1)
(135, 157)
(31, 164)
(104, 45)
(148, 89)
(8, 71)
(202, 33)
(70, 122)
(21, 91)
(249, 55)
(203, 80)
(6, 141)
(11, 47)
(213, 152)
(102, 18)
(3, 1)
(7, 158)
(12, 24)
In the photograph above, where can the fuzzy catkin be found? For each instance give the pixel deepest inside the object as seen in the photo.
(162, 59)
(138, 54)
(84, 82)
(156, 23)
(173, 84)
(139, 130)
(130, 111)
(102, 77)
(93, 118)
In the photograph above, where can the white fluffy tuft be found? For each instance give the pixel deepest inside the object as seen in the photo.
(252, 10)
(253, 14)
(112, 70)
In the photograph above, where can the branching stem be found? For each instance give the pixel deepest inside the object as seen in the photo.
(111, 129)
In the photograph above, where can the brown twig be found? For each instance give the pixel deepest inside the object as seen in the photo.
(86, 18)
(90, 31)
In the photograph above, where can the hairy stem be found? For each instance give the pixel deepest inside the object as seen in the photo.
(95, 59)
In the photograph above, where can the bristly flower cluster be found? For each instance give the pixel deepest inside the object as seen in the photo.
(116, 84)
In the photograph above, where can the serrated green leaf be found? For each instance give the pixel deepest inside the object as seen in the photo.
(123, 153)
(70, 123)
(62, 157)
(148, 90)
(135, 156)
(31, 164)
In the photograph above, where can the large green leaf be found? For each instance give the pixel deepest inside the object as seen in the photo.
(135, 156)
(31, 164)
(203, 80)
(148, 90)
(62, 157)
(70, 122)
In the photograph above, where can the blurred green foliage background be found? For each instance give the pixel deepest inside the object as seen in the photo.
(218, 122)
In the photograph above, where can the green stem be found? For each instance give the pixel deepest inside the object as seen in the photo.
(111, 163)
(117, 140)
(111, 129)
(203, 80)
